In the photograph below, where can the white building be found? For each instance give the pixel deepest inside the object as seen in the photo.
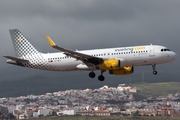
(69, 112)
(44, 112)
(22, 116)
(35, 114)
(11, 108)
(20, 107)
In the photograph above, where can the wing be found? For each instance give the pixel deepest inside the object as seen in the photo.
(87, 59)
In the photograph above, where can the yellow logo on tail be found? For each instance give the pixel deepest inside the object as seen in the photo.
(20, 39)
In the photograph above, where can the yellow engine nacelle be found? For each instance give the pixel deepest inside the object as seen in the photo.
(123, 71)
(109, 65)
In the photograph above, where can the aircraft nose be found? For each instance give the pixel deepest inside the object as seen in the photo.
(174, 55)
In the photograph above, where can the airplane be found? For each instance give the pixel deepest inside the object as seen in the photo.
(118, 61)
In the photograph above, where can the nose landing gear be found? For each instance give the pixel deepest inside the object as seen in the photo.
(154, 69)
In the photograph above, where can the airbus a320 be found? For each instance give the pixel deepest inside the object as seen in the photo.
(117, 61)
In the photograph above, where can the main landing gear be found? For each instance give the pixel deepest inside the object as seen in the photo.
(100, 77)
(154, 69)
(92, 74)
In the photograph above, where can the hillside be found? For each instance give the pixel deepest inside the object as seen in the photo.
(157, 89)
(38, 84)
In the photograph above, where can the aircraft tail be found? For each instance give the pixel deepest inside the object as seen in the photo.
(21, 45)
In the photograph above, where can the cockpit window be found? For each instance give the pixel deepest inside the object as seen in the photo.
(165, 50)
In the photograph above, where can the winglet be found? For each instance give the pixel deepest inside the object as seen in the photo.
(50, 41)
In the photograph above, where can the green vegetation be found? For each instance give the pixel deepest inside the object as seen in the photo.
(156, 89)
(139, 97)
(106, 118)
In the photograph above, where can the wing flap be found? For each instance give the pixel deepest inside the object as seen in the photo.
(16, 59)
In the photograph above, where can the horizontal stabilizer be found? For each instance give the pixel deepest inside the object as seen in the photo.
(16, 59)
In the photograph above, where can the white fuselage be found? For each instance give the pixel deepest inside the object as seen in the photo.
(118, 61)
(134, 56)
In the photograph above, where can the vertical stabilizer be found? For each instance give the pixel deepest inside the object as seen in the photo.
(21, 45)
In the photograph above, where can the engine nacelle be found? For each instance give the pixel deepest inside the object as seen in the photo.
(123, 71)
(109, 64)
(112, 64)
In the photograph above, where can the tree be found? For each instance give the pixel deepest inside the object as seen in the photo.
(11, 116)
(136, 113)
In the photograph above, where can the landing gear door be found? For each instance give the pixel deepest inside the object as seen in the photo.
(151, 51)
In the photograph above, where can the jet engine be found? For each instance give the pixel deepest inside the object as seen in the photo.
(109, 64)
(123, 71)
(112, 64)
